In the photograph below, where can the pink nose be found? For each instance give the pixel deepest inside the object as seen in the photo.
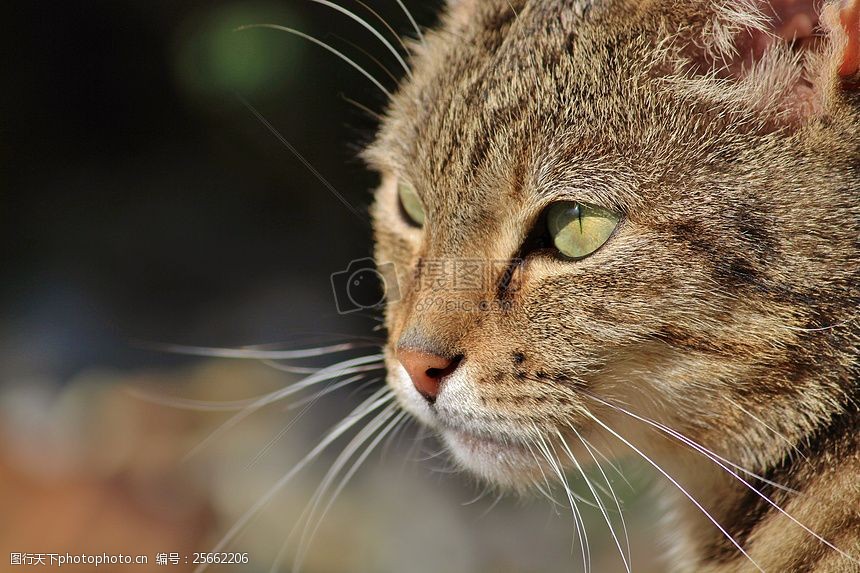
(427, 370)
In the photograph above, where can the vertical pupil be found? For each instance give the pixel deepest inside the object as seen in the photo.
(576, 215)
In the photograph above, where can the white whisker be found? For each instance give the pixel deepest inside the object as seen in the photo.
(253, 353)
(602, 508)
(547, 493)
(608, 461)
(416, 453)
(477, 498)
(411, 20)
(388, 27)
(431, 456)
(577, 515)
(397, 433)
(493, 505)
(348, 452)
(719, 461)
(680, 436)
(362, 22)
(362, 107)
(281, 368)
(555, 463)
(290, 369)
(382, 67)
(330, 389)
(308, 404)
(374, 402)
(322, 44)
(292, 149)
(345, 368)
(680, 488)
(191, 404)
(226, 405)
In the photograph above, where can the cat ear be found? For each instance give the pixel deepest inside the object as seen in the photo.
(788, 57)
(849, 18)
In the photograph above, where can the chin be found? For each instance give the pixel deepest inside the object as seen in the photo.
(508, 464)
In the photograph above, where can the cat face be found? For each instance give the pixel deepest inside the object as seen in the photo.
(711, 228)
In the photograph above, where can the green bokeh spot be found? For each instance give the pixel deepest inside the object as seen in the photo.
(214, 56)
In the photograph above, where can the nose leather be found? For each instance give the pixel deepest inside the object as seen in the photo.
(427, 370)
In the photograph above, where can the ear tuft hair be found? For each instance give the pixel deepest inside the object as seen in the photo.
(785, 58)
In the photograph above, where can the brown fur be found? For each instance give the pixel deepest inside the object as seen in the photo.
(723, 306)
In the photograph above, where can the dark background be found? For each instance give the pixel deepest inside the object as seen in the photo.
(144, 201)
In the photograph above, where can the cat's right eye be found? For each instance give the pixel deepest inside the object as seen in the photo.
(411, 204)
(578, 230)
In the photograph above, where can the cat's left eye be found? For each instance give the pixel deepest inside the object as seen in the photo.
(578, 230)
(411, 204)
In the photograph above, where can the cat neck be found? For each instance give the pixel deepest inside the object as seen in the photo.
(763, 518)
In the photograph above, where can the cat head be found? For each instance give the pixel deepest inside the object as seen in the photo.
(641, 203)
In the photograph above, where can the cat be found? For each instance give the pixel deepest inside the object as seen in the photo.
(661, 202)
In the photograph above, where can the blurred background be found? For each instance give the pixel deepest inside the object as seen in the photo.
(145, 204)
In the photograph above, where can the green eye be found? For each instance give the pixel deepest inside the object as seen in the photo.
(411, 203)
(578, 230)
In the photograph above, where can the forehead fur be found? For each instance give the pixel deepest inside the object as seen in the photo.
(501, 93)
(505, 89)
(514, 101)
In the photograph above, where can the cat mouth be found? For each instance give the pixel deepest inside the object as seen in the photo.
(480, 444)
(505, 460)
